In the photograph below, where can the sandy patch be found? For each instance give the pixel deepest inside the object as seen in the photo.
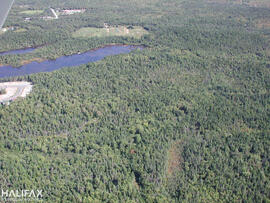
(15, 90)
(10, 92)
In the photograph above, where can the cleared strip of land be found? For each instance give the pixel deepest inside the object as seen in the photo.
(131, 31)
(14, 90)
(32, 12)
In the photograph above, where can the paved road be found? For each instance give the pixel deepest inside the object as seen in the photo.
(54, 13)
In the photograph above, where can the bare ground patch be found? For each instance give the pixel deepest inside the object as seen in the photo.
(263, 23)
(13, 90)
(174, 158)
(24, 62)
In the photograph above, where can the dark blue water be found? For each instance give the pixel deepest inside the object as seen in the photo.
(66, 61)
(19, 51)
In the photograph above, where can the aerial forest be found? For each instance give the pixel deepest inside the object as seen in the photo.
(185, 119)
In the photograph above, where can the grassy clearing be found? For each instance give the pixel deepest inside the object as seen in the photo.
(263, 23)
(259, 3)
(227, 1)
(20, 30)
(87, 32)
(253, 3)
(174, 159)
(32, 12)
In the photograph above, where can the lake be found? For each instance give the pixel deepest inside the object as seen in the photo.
(65, 61)
(19, 51)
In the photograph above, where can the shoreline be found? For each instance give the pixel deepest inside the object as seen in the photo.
(73, 60)
(25, 62)
(25, 48)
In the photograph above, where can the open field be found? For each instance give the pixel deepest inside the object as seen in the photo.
(263, 23)
(14, 90)
(252, 3)
(32, 12)
(20, 30)
(186, 119)
(88, 32)
(259, 3)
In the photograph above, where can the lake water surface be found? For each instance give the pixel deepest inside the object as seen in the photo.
(66, 61)
(19, 51)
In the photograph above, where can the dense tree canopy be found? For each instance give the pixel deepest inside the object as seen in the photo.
(187, 119)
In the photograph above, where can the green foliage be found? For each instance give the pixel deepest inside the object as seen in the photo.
(3, 91)
(101, 132)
